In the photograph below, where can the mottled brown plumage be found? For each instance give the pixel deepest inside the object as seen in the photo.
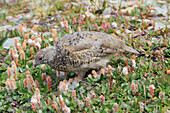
(81, 51)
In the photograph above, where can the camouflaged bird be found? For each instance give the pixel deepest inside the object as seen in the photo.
(81, 51)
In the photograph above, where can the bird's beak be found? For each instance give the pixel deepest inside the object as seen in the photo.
(35, 65)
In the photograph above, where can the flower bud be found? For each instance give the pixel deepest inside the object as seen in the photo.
(88, 102)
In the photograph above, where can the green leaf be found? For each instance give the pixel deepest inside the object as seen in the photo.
(30, 64)
(89, 80)
(20, 108)
(168, 89)
(103, 89)
(10, 109)
(46, 90)
(50, 107)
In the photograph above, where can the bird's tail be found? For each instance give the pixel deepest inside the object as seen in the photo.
(129, 49)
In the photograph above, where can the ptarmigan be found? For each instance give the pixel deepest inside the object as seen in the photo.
(81, 51)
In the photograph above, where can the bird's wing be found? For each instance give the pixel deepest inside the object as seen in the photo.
(85, 47)
(78, 41)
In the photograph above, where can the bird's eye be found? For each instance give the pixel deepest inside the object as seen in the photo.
(40, 57)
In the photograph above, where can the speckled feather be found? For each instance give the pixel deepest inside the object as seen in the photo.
(81, 51)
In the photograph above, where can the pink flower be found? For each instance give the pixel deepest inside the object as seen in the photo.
(15, 56)
(43, 66)
(62, 86)
(13, 84)
(25, 83)
(67, 110)
(49, 82)
(74, 94)
(26, 36)
(89, 76)
(24, 46)
(74, 21)
(54, 35)
(93, 95)
(54, 104)
(102, 99)
(162, 95)
(22, 55)
(37, 84)
(134, 88)
(34, 28)
(80, 22)
(9, 72)
(8, 84)
(43, 76)
(94, 73)
(30, 80)
(14, 69)
(142, 106)
(79, 28)
(102, 71)
(21, 30)
(11, 53)
(34, 107)
(38, 96)
(88, 102)
(115, 107)
(80, 104)
(151, 89)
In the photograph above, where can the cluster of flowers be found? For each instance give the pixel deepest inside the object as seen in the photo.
(29, 82)
(64, 24)
(62, 105)
(127, 68)
(106, 71)
(91, 98)
(134, 88)
(33, 42)
(70, 84)
(12, 77)
(35, 100)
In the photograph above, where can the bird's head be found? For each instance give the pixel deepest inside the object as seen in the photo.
(45, 56)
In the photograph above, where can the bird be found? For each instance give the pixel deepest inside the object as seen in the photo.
(81, 51)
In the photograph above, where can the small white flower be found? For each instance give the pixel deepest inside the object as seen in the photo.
(125, 71)
(80, 104)
(153, 86)
(133, 63)
(33, 42)
(34, 99)
(67, 110)
(61, 88)
(38, 45)
(60, 98)
(70, 86)
(114, 81)
(16, 55)
(62, 24)
(39, 39)
(29, 41)
(75, 83)
(114, 24)
(142, 106)
(18, 44)
(50, 39)
(124, 105)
